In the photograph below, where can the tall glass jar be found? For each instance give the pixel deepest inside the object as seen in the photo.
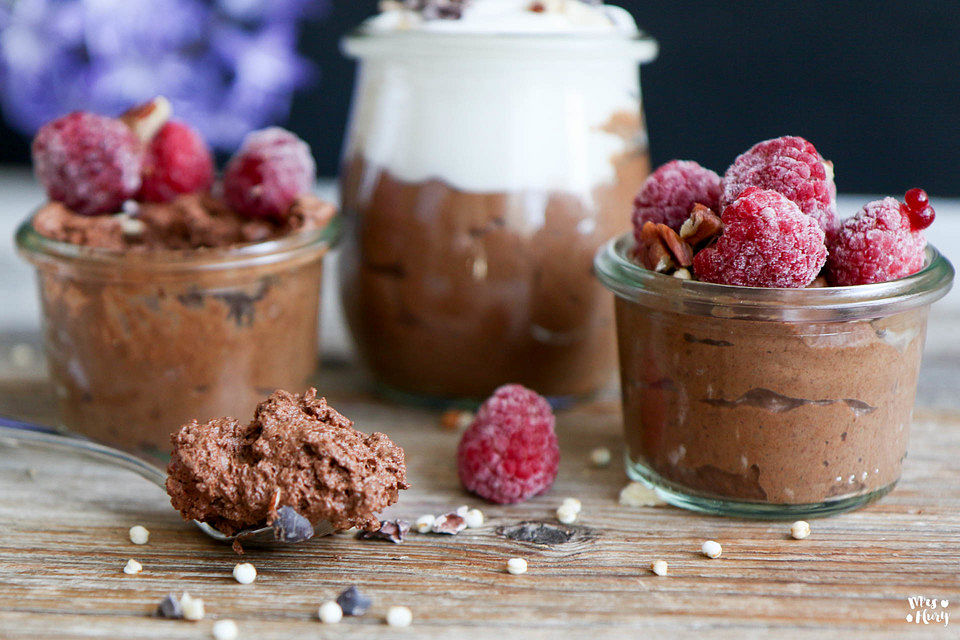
(480, 175)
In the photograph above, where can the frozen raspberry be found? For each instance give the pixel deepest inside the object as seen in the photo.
(792, 166)
(766, 242)
(270, 170)
(88, 162)
(176, 161)
(510, 451)
(880, 243)
(669, 193)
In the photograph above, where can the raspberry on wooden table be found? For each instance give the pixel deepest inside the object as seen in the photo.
(669, 193)
(510, 452)
(789, 165)
(176, 161)
(272, 168)
(766, 242)
(880, 243)
(88, 162)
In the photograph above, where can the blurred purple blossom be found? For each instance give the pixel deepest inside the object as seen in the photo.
(228, 66)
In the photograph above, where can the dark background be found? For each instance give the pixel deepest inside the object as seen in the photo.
(874, 85)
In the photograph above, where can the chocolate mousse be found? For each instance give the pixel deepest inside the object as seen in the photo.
(497, 296)
(297, 452)
(783, 413)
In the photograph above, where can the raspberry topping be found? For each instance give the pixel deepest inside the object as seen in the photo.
(510, 452)
(176, 161)
(669, 193)
(88, 162)
(791, 166)
(878, 244)
(767, 241)
(272, 168)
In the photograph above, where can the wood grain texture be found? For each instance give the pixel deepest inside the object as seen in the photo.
(63, 543)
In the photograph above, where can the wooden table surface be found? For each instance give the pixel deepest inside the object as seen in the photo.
(63, 543)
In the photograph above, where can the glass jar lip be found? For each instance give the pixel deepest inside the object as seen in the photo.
(38, 248)
(630, 281)
(363, 43)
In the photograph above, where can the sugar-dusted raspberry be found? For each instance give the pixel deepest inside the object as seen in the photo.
(88, 162)
(766, 242)
(876, 245)
(176, 161)
(272, 168)
(792, 166)
(510, 452)
(669, 193)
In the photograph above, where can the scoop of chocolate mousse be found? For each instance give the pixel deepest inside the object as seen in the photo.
(299, 452)
(191, 221)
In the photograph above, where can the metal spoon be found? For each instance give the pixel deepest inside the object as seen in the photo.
(18, 432)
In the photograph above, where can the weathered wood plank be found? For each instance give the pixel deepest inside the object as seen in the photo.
(64, 542)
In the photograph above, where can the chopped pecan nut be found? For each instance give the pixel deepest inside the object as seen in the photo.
(680, 251)
(701, 227)
(662, 250)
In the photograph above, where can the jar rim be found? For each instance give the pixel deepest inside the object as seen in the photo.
(37, 248)
(362, 43)
(629, 281)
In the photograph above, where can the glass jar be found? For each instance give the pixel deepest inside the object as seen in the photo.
(480, 174)
(767, 402)
(140, 343)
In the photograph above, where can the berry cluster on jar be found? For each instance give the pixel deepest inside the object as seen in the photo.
(95, 164)
(772, 221)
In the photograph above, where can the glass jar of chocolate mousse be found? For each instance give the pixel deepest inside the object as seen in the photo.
(140, 342)
(482, 170)
(767, 402)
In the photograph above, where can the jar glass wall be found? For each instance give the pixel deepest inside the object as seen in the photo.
(768, 402)
(480, 175)
(140, 343)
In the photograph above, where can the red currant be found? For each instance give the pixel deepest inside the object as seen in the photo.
(916, 199)
(918, 209)
(922, 219)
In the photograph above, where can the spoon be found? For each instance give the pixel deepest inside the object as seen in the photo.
(290, 526)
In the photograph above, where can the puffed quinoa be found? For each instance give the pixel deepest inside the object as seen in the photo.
(399, 616)
(225, 630)
(474, 518)
(659, 567)
(636, 494)
(192, 607)
(139, 535)
(330, 612)
(800, 529)
(711, 549)
(600, 457)
(132, 567)
(424, 524)
(572, 503)
(516, 566)
(566, 514)
(245, 573)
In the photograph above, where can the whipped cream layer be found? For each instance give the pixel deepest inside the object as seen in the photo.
(510, 17)
(502, 111)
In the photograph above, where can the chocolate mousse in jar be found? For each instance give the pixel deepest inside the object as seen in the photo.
(493, 146)
(165, 300)
(760, 377)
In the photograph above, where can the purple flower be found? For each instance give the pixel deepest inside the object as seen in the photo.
(228, 66)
